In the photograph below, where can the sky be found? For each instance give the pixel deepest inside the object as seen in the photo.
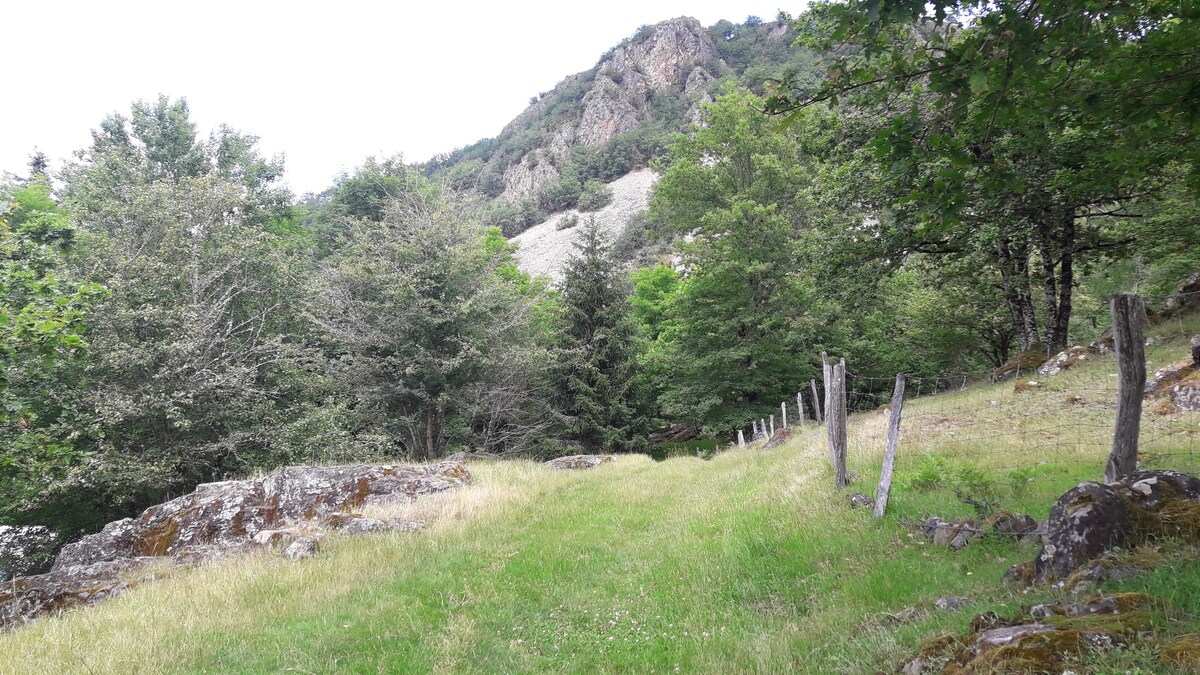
(324, 84)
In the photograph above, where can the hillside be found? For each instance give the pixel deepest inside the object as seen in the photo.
(747, 562)
(601, 124)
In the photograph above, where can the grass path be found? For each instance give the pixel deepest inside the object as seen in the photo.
(749, 562)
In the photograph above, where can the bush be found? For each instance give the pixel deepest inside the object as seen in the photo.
(594, 196)
(567, 222)
(559, 195)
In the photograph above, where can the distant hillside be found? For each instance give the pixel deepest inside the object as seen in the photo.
(614, 118)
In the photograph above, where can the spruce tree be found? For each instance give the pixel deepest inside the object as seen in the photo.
(597, 352)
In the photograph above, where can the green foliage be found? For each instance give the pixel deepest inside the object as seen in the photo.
(43, 314)
(595, 196)
(433, 332)
(595, 390)
(567, 222)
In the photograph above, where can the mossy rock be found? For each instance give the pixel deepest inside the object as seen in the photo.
(1128, 624)
(1182, 652)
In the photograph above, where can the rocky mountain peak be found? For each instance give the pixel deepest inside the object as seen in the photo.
(667, 58)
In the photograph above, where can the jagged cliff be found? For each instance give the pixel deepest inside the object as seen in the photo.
(674, 58)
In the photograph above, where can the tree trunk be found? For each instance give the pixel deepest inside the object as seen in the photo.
(1014, 272)
(429, 452)
(1066, 281)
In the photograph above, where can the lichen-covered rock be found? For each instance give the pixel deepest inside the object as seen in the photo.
(951, 603)
(1066, 359)
(25, 598)
(1091, 519)
(1009, 524)
(1178, 386)
(1086, 521)
(280, 510)
(579, 461)
(954, 534)
(303, 547)
(227, 515)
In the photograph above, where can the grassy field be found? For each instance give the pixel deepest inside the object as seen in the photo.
(749, 562)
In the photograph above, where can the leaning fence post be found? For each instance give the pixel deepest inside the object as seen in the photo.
(783, 411)
(772, 427)
(1131, 383)
(827, 374)
(889, 455)
(741, 439)
(838, 429)
(816, 403)
(800, 406)
(762, 427)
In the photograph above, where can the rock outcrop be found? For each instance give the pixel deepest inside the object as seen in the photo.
(1091, 519)
(579, 461)
(1177, 386)
(287, 509)
(670, 58)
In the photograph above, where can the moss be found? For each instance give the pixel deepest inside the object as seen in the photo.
(159, 538)
(943, 646)
(1182, 652)
(1126, 625)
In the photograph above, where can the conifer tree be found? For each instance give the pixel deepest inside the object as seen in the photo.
(597, 356)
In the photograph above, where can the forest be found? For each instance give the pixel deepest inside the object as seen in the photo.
(919, 192)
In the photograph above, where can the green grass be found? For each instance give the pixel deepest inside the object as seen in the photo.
(748, 562)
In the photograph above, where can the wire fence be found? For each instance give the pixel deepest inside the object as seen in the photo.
(1048, 426)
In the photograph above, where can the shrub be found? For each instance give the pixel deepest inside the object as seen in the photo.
(594, 196)
(567, 222)
(559, 195)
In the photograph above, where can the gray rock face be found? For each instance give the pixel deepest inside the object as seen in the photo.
(225, 518)
(24, 548)
(670, 58)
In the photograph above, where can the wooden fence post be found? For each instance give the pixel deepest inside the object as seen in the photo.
(816, 403)
(741, 439)
(762, 427)
(889, 455)
(827, 374)
(800, 406)
(772, 426)
(783, 411)
(838, 404)
(1127, 314)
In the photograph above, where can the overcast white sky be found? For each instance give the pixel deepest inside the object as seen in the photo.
(326, 84)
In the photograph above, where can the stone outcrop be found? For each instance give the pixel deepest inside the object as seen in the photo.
(1046, 639)
(670, 58)
(1091, 519)
(1066, 359)
(288, 510)
(1177, 387)
(24, 549)
(1024, 362)
(579, 461)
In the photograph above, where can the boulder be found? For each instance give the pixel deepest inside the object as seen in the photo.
(954, 534)
(1066, 359)
(281, 510)
(1091, 519)
(25, 598)
(229, 514)
(25, 549)
(579, 461)
(1086, 521)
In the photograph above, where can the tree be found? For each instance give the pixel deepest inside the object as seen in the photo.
(43, 313)
(740, 332)
(431, 333)
(597, 362)
(1024, 130)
